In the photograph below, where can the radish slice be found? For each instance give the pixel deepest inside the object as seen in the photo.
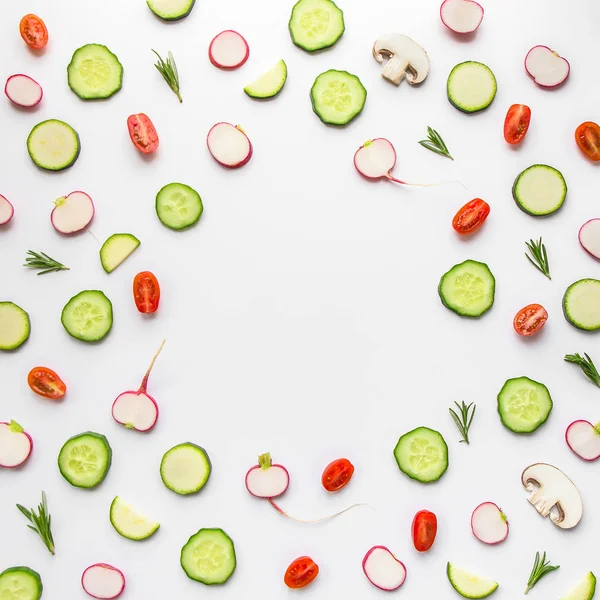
(6, 210)
(383, 569)
(266, 480)
(489, 524)
(15, 445)
(103, 581)
(546, 66)
(228, 50)
(584, 439)
(23, 91)
(72, 213)
(589, 237)
(229, 145)
(461, 16)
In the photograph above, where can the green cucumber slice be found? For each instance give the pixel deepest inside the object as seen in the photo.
(581, 304)
(94, 72)
(171, 10)
(15, 326)
(584, 590)
(130, 523)
(471, 86)
(185, 468)
(20, 583)
(116, 249)
(524, 404)
(539, 190)
(53, 145)
(178, 206)
(85, 459)
(468, 289)
(209, 557)
(269, 84)
(88, 316)
(316, 24)
(469, 585)
(337, 97)
(422, 454)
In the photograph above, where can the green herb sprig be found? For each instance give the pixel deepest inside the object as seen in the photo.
(587, 366)
(41, 522)
(463, 422)
(435, 143)
(539, 256)
(169, 72)
(35, 260)
(541, 568)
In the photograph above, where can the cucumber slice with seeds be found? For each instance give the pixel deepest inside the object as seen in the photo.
(471, 86)
(178, 206)
(116, 249)
(130, 523)
(469, 585)
(171, 10)
(584, 590)
(316, 24)
(337, 97)
(20, 583)
(85, 459)
(15, 326)
(539, 190)
(524, 404)
(209, 557)
(581, 304)
(269, 84)
(422, 454)
(94, 72)
(53, 145)
(185, 468)
(468, 289)
(88, 316)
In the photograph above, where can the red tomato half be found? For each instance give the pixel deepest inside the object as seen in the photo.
(33, 31)
(45, 382)
(301, 572)
(337, 474)
(587, 136)
(530, 320)
(142, 133)
(516, 123)
(424, 530)
(146, 292)
(471, 216)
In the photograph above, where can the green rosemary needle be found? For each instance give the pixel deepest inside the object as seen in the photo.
(435, 143)
(463, 422)
(35, 260)
(41, 522)
(168, 69)
(541, 568)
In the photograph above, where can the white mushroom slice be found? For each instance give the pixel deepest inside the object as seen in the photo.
(405, 58)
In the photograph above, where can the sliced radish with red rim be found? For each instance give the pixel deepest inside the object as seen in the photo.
(229, 145)
(461, 16)
(103, 581)
(489, 524)
(589, 237)
(583, 439)
(266, 480)
(383, 569)
(23, 91)
(228, 50)
(6, 210)
(15, 445)
(72, 213)
(546, 67)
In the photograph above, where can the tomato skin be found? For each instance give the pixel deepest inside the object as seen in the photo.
(471, 216)
(301, 572)
(516, 123)
(587, 136)
(142, 133)
(33, 31)
(337, 474)
(146, 292)
(529, 320)
(46, 383)
(424, 530)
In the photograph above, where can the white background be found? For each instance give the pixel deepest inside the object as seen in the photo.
(301, 313)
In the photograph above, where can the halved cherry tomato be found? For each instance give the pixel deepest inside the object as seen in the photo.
(301, 572)
(337, 474)
(530, 320)
(33, 31)
(146, 292)
(471, 216)
(142, 133)
(516, 123)
(424, 530)
(45, 382)
(587, 136)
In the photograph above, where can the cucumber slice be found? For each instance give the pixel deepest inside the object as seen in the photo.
(209, 557)
(185, 468)
(85, 459)
(20, 583)
(116, 249)
(540, 190)
(15, 326)
(469, 585)
(584, 590)
(171, 10)
(337, 97)
(53, 145)
(422, 454)
(468, 289)
(316, 24)
(524, 404)
(88, 316)
(471, 86)
(94, 72)
(178, 206)
(129, 523)
(269, 84)
(581, 304)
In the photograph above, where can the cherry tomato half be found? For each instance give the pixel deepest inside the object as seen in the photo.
(530, 320)
(516, 123)
(424, 530)
(45, 382)
(301, 572)
(337, 474)
(33, 31)
(471, 216)
(587, 136)
(146, 292)
(142, 133)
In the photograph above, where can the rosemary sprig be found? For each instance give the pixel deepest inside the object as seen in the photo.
(464, 421)
(541, 567)
(41, 522)
(435, 143)
(36, 260)
(587, 366)
(169, 72)
(539, 256)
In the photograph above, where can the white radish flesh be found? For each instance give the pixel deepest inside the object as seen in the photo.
(15, 445)
(267, 480)
(546, 66)
(6, 210)
(72, 213)
(589, 237)
(461, 16)
(383, 569)
(229, 145)
(583, 439)
(375, 159)
(103, 581)
(228, 50)
(23, 91)
(135, 411)
(489, 523)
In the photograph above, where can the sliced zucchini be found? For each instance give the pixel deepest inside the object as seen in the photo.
(171, 10)
(53, 145)
(116, 249)
(469, 585)
(581, 304)
(337, 97)
(88, 316)
(422, 454)
(584, 590)
(15, 326)
(471, 86)
(540, 190)
(185, 468)
(94, 72)
(468, 289)
(316, 24)
(85, 459)
(269, 84)
(129, 523)
(178, 206)
(524, 404)
(20, 583)
(209, 557)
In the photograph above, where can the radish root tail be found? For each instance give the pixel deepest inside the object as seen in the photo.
(282, 512)
(392, 178)
(147, 375)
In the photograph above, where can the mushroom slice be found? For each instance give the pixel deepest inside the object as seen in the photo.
(405, 58)
(554, 490)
